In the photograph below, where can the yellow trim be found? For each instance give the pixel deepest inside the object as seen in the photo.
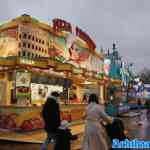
(4, 62)
(33, 63)
(64, 67)
(116, 81)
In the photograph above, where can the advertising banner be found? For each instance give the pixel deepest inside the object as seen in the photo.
(23, 80)
(68, 50)
(8, 43)
(40, 92)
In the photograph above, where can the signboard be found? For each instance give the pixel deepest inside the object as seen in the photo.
(141, 91)
(77, 71)
(7, 62)
(88, 74)
(60, 25)
(23, 80)
(40, 92)
(40, 64)
(64, 67)
(8, 43)
(97, 76)
(51, 63)
(107, 64)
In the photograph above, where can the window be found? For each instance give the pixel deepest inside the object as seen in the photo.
(42, 42)
(19, 54)
(24, 35)
(24, 44)
(32, 46)
(32, 55)
(39, 48)
(33, 38)
(29, 45)
(36, 39)
(19, 45)
(23, 53)
(39, 41)
(28, 54)
(20, 36)
(47, 44)
(36, 48)
(29, 37)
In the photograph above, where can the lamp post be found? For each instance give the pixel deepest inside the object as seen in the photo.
(129, 80)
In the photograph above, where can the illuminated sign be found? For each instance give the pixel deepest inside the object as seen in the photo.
(77, 71)
(88, 74)
(98, 76)
(7, 62)
(64, 67)
(27, 61)
(51, 63)
(22, 88)
(40, 64)
(107, 63)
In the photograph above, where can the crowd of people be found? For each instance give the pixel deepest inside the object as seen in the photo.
(99, 127)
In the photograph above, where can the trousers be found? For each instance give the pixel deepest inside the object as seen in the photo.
(51, 139)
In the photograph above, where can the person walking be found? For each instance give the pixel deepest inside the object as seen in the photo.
(95, 137)
(51, 117)
(148, 110)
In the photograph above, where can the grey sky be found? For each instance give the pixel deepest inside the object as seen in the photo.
(126, 22)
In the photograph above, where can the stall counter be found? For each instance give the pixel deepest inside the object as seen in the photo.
(28, 118)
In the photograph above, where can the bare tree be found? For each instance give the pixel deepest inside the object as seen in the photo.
(144, 74)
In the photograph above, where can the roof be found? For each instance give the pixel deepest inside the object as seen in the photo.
(25, 19)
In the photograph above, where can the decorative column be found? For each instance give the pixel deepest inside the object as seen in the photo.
(8, 87)
(102, 101)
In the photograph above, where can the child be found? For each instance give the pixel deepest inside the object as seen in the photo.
(116, 130)
(65, 137)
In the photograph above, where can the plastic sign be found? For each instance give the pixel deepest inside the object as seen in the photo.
(62, 25)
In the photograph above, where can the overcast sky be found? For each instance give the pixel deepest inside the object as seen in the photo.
(126, 22)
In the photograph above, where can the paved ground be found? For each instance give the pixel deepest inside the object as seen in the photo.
(138, 127)
(135, 130)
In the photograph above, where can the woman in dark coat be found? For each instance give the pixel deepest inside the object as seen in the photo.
(51, 117)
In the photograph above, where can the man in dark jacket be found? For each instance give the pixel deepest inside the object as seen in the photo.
(51, 116)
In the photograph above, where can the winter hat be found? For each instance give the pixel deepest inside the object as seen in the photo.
(55, 93)
(64, 124)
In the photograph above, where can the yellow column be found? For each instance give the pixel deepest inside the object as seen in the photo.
(3, 92)
(78, 92)
(102, 101)
(8, 90)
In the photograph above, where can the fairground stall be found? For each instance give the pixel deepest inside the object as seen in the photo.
(36, 59)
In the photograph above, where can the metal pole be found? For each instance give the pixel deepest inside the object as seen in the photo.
(68, 95)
